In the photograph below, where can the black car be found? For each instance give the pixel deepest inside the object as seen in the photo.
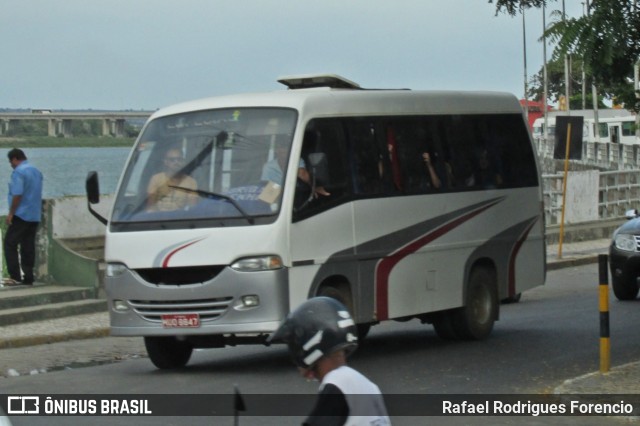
(624, 258)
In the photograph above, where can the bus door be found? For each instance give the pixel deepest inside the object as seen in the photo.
(321, 237)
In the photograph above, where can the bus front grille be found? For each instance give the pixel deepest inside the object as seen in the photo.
(180, 275)
(207, 309)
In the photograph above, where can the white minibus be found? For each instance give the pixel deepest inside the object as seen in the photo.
(402, 204)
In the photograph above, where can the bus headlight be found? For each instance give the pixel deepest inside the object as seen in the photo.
(258, 263)
(625, 242)
(115, 269)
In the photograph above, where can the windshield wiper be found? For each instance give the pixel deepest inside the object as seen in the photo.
(202, 193)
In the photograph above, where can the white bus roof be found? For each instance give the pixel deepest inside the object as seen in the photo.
(323, 101)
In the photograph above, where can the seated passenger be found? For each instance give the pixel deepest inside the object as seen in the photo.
(488, 174)
(433, 176)
(273, 170)
(171, 189)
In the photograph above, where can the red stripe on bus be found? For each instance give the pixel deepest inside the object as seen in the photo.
(512, 260)
(165, 262)
(386, 265)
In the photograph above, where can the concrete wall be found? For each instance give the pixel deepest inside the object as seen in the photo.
(71, 219)
(64, 220)
(591, 195)
(582, 197)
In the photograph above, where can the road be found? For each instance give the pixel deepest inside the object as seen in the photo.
(550, 336)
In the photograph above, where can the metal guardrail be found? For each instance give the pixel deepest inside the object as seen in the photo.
(600, 154)
(618, 188)
(618, 192)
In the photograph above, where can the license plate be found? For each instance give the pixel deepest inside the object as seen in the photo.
(181, 321)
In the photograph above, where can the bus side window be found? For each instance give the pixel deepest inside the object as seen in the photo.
(488, 163)
(422, 159)
(365, 167)
(325, 137)
(438, 132)
(331, 142)
(518, 165)
(394, 159)
(462, 142)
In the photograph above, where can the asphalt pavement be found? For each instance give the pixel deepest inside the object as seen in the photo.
(83, 340)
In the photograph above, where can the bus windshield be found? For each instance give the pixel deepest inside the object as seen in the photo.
(224, 165)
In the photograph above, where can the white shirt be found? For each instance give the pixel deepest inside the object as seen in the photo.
(366, 406)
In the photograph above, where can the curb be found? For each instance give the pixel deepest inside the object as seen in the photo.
(620, 380)
(23, 341)
(570, 262)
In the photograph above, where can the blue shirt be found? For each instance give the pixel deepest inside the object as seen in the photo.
(26, 180)
(271, 171)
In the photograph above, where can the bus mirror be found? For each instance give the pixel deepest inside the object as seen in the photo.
(320, 167)
(93, 188)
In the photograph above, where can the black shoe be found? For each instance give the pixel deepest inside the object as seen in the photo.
(26, 282)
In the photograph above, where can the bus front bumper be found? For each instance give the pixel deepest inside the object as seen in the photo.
(232, 303)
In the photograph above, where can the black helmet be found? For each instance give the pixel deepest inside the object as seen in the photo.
(317, 328)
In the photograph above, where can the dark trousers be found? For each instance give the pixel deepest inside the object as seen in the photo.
(21, 238)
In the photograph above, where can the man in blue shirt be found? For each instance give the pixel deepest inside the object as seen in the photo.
(25, 211)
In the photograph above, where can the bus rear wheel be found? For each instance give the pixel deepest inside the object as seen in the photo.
(474, 321)
(167, 352)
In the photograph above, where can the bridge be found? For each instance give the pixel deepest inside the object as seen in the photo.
(59, 122)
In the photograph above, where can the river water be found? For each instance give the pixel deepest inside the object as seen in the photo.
(65, 170)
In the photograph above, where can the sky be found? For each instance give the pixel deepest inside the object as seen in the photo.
(147, 54)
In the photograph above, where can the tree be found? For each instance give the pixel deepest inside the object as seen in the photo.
(556, 85)
(607, 39)
(512, 7)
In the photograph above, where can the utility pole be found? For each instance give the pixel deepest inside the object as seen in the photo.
(524, 49)
(594, 91)
(636, 88)
(584, 75)
(567, 89)
(545, 90)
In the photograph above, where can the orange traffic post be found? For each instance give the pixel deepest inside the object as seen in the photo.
(605, 344)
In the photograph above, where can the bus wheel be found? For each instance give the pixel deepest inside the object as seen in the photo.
(167, 352)
(474, 321)
(443, 324)
(344, 297)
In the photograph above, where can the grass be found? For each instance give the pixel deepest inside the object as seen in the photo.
(71, 142)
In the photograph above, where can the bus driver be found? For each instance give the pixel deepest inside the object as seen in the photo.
(164, 192)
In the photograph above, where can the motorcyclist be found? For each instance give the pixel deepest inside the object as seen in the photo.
(321, 334)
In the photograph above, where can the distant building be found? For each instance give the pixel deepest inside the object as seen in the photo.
(536, 110)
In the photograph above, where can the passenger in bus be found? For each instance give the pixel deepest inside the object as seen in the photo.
(488, 174)
(433, 176)
(171, 189)
(272, 171)
(394, 160)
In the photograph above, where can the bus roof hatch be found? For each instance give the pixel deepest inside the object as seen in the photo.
(317, 80)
